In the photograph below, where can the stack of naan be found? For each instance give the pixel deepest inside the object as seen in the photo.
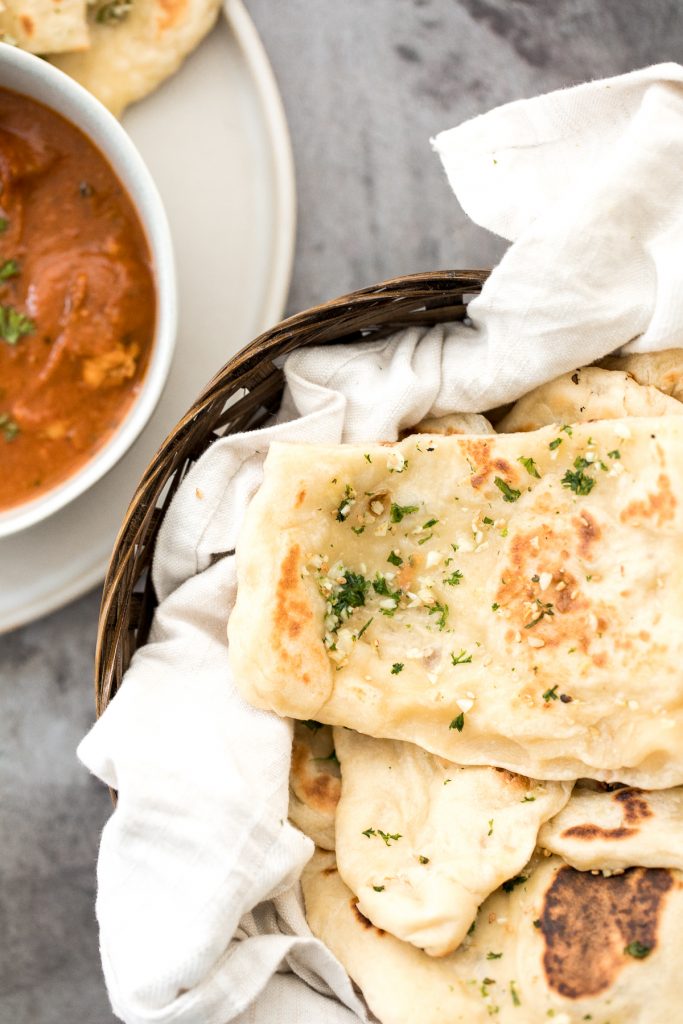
(118, 49)
(479, 634)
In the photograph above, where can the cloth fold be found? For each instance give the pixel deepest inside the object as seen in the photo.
(198, 904)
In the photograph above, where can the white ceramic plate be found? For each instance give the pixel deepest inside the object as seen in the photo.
(215, 139)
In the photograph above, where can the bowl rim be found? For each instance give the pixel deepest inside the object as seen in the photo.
(64, 96)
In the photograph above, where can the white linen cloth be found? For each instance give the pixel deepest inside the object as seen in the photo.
(198, 906)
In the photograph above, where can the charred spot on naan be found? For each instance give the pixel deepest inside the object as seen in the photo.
(635, 809)
(362, 919)
(478, 454)
(171, 13)
(316, 780)
(292, 611)
(659, 507)
(588, 921)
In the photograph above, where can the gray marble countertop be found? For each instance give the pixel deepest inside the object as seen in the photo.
(365, 84)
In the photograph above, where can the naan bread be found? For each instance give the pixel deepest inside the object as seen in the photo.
(129, 58)
(44, 26)
(463, 832)
(314, 783)
(453, 423)
(588, 394)
(620, 829)
(562, 945)
(548, 643)
(663, 370)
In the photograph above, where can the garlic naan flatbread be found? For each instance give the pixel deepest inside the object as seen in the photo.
(314, 783)
(131, 54)
(561, 945)
(587, 394)
(422, 842)
(662, 370)
(512, 600)
(619, 829)
(44, 26)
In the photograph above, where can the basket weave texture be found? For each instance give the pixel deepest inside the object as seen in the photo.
(242, 395)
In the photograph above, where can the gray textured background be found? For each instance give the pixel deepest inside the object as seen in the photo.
(365, 84)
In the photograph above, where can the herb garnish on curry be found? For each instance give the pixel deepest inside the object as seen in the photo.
(77, 302)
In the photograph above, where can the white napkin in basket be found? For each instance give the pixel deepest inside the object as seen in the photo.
(198, 906)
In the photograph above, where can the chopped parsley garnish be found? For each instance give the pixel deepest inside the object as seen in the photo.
(528, 799)
(311, 724)
(512, 883)
(394, 558)
(381, 587)
(490, 831)
(461, 659)
(566, 429)
(509, 493)
(396, 668)
(537, 923)
(616, 454)
(386, 836)
(555, 444)
(8, 426)
(546, 609)
(358, 530)
(351, 594)
(378, 888)
(458, 722)
(551, 694)
(14, 325)
(495, 606)
(470, 930)
(493, 956)
(429, 523)
(399, 511)
(513, 992)
(637, 950)
(579, 481)
(10, 268)
(487, 521)
(454, 579)
(530, 466)
(442, 611)
(346, 503)
(360, 633)
(422, 859)
(367, 457)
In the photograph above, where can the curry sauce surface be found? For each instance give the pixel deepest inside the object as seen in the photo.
(77, 300)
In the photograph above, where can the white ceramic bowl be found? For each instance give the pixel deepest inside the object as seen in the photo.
(33, 77)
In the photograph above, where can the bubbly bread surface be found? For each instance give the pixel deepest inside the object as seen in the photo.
(509, 600)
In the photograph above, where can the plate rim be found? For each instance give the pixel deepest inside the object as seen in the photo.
(259, 67)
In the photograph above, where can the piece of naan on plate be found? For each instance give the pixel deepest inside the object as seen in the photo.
(560, 944)
(422, 842)
(587, 394)
(513, 600)
(44, 26)
(663, 370)
(314, 782)
(619, 829)
(135, 45)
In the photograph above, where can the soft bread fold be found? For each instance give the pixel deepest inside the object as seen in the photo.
(422, 842)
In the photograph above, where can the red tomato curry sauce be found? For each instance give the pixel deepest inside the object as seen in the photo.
(77, 299)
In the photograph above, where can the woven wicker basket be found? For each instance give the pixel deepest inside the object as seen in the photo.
(241, 396)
